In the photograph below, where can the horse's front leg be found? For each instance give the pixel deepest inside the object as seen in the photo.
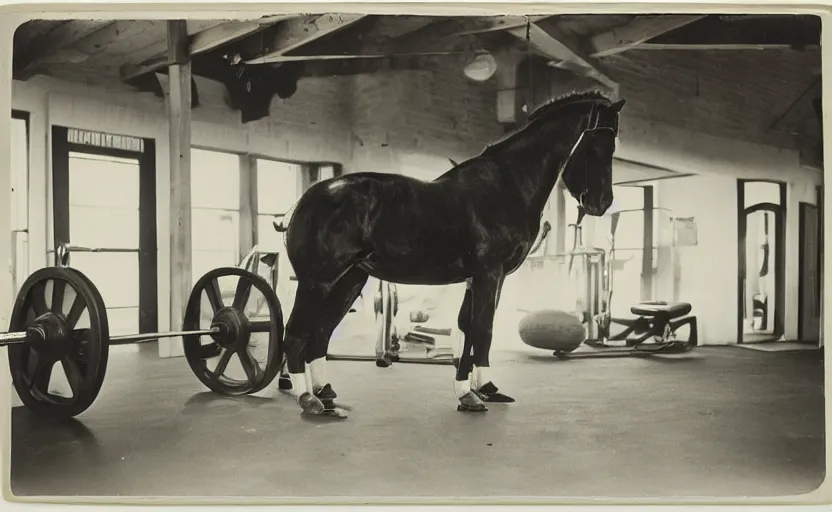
(480, 380)
(482, 294)
(300, 329)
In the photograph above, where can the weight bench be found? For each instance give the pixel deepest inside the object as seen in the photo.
(658, 320)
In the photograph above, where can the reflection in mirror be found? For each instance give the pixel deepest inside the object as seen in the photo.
(760, 296)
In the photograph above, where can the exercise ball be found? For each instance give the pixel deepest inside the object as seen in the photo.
(549, 329)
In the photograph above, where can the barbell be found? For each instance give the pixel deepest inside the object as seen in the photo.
(45, 329)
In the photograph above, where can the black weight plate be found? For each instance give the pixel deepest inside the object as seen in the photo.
(74, 303)
(200, 349)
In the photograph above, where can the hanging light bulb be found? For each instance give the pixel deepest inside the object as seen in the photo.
(481, 68)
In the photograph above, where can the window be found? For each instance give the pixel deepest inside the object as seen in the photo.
(215, 210)
(279, 186)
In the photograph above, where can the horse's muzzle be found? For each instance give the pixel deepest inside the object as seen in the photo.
(597, 210)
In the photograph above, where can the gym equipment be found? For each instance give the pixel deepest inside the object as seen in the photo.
(385, 308)
(654, 328)
(44, 329)
(388, 340)
(550, 329)
(231, 331)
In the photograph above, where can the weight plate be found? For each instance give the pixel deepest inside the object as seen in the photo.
(244, 322)
(64, 304)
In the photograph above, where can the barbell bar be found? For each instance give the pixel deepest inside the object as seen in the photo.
(44, 331)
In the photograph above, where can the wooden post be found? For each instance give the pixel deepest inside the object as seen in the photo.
(647, 249)
(248, 203)
(179, 120)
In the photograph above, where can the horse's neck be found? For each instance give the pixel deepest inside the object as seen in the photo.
(542, 167)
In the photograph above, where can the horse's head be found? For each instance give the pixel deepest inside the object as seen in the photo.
(588, 171)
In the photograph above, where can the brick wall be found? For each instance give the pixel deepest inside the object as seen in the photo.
(435, 111)
(733, 94)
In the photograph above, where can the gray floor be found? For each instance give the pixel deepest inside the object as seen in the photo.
(719, 422)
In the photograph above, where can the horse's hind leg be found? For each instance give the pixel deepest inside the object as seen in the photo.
(337, 303)
(300, 329)
(464, 324)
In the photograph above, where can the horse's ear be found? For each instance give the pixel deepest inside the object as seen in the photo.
(618, 105)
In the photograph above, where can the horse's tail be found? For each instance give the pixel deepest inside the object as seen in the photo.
(283, 225)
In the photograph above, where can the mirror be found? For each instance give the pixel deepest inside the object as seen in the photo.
(760, 285)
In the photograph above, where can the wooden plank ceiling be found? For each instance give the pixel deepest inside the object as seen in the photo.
(281, 49)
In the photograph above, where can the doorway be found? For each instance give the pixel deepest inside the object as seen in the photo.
(104, 196)
(761, 254)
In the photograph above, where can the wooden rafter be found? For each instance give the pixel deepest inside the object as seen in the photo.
(201, 42)
(293, 34)
(493, 24)
(707, 47)
(364, 56)
(638, 31)
(554, 44)
(49, 45)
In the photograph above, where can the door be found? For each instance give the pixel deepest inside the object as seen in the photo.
(104, 199)
(808, 305)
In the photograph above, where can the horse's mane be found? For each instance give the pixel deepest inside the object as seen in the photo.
(547, 109)
(565, 99)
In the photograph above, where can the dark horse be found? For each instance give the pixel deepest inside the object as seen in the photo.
(475, 223)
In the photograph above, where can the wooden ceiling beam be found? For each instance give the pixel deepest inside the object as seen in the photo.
(638, 31)
(202, 42)
(435, 37)
(292, 34)
(707, 47)
(554, 44)
(497, 23)
(48, 46)
(363, 56)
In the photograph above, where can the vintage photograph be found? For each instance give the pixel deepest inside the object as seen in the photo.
(368, 256)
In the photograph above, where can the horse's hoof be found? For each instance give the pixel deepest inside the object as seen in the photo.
(335, 412)
(284, 383)
(310, 404)
(470, 402)
(489, 393)
(382, 362)
(327, 396)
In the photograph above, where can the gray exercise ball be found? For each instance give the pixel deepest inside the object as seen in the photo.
(550, 329)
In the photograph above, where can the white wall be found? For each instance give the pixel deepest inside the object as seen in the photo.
(707, 276)
(708, 271)
(711, 197)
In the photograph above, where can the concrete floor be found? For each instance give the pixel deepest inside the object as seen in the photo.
(718, 422)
